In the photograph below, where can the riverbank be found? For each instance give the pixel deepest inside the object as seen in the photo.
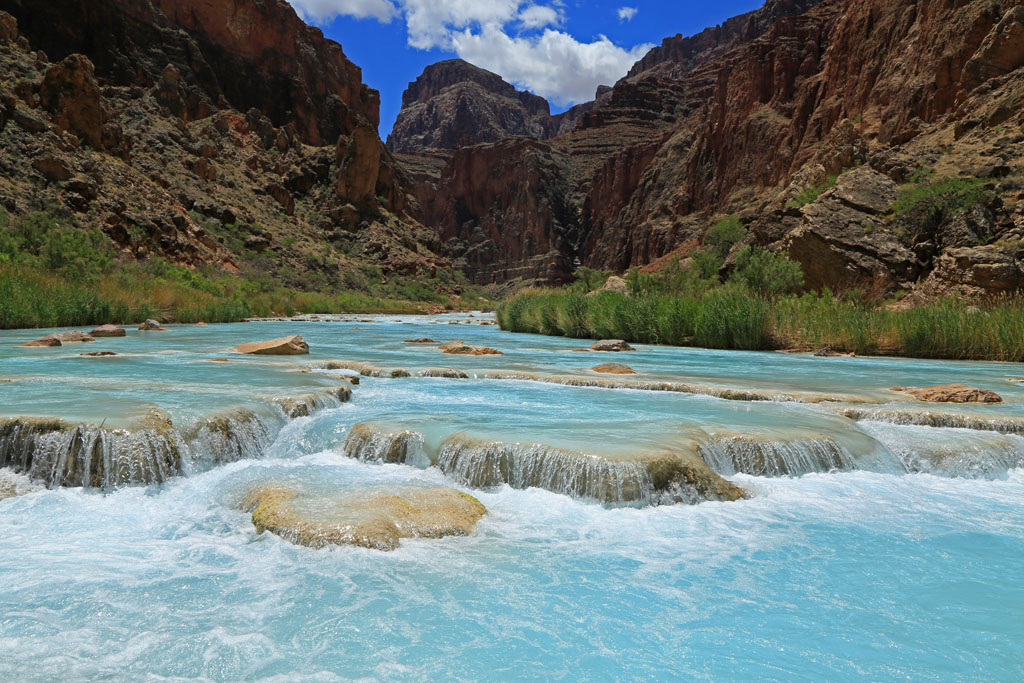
(31, 298)
(732, 318)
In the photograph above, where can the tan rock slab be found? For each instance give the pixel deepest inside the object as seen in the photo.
(614, 369)
(951, 393)
(374, 519)
(282, 346)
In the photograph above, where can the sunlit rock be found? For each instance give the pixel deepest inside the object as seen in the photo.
(375, 519)
(951, 393)
(614, 369)
(611, 345)
(463, 349)
(283, 346)
(152, 326)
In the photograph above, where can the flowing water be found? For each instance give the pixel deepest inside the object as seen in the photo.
(880, 537)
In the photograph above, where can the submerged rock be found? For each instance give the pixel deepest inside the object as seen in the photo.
(283, 346)
(611, 345)
(614, 369)
(446, 373)
(98, 354)
(310, 404)
(49, 340)
(13, 484)
(369, 442)
(152, 326)
(464, 349)
(421, 340)
(376, 519)
(108, 331)
(951, 393)
(364, 369)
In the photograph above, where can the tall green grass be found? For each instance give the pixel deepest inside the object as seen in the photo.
(728, 317)
(30, 298)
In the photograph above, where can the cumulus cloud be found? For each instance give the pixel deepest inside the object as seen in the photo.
(325, 10)
(554, 65)
(539, 16)
(516, 39)
(627, 13)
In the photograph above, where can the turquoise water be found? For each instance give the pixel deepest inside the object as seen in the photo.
(904, 566)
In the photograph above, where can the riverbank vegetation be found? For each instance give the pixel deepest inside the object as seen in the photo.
(57, 276)
(756, 308)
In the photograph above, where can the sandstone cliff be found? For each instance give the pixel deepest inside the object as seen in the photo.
(219, 132)
(765, 117)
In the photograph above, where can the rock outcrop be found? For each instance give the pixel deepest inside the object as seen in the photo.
(460, 348)
(759, 118)
(215, 133)
(283, 346)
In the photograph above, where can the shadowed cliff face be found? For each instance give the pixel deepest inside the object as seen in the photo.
(241, 54)
(206, 132)
(745, 118)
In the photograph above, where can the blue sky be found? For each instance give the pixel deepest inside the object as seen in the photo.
(560, 49)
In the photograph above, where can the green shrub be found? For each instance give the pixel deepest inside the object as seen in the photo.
(766, 274)
(808, 195)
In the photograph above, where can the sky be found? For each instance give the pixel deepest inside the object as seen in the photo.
(559, 49)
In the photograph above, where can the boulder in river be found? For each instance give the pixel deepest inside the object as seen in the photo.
(108, 331)
(611, 345)
(421, 340)
(99, 354)
(74, 337)
(283, 346)
(952, 393)
(463, 349)
(373, 519)
(152, 326)
(614, 369)
(49, 340)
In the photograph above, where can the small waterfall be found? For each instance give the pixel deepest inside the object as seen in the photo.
(235, 435)
(485, 464)
(310, 404)
(951, 452)
(58, 453)
(926, 418)
(371, 443)
(770, 458)
(86, 455)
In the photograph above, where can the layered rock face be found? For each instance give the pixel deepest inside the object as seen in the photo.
(750, 117)
(455, 104)
(241, 54)
(206, 132)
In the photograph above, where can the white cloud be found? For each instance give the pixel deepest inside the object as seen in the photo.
(516, 39)
(325, 10)
(539, 16)
(627, 13)
(554, 65)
